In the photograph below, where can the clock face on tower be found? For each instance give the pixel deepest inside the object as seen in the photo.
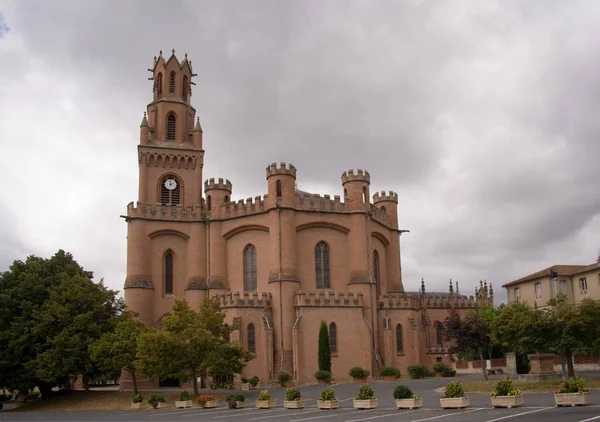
(170, 184)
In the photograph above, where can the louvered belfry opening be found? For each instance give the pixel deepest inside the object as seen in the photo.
(172, 82)
(171, 126)
(170, 197)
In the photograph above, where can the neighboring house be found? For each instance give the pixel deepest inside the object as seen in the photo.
(576, 282)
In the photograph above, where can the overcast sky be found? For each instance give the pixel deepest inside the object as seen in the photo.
(482, 115)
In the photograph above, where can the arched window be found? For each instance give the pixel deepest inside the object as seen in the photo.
(251, 338)
(171, 126)
(345, 193)
(376, 274)
(184, 89)
(172, 82)
(169, 273)
(438, 333)
(249, 268)
(159, 84)
(170, 191)
(278, 188)
(333, 338)
(322, 265)
(208, 202)
(399, 341)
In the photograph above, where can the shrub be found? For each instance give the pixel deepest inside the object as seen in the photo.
(323, 376)
(264, 395)
(184, 396)
(206, 398)
(137, 398)
(239, 397)
(327, 394)
(293, 394)
(402, 392)
(154, 399)
(440, 367)
(229, 397)
(358, 373)
(365, 393)
(417, 371)
(244, 380)
(284, 377)
(504, 387)
(388, 371)
(254, 381)
(453, 389)
(572, 385)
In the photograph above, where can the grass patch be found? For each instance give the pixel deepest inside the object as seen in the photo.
(99, 400)
(526, 387)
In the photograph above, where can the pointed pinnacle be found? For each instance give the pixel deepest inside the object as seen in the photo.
(144, 120)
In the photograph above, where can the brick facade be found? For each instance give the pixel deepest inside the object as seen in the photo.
(182, 244)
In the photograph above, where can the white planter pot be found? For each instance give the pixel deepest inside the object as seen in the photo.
(265, 404)
(136, 405)
(454, 403)
(293, 404)
(507, 401)
(183, 403)
(328, 404)
(210, 404)
(160, 405)
(572, 399)
(245, 386)
(365, 404)
(409, 403)
(240, 404)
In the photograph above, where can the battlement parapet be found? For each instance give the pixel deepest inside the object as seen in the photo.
(444, 301)
(158, 211)
(398, 301)
(328, 298)
(353, 176)
(380, 216)
(283, 169)
(242, 207)
(244, 300)
(381, 196)
(210, 184)
(318, 203)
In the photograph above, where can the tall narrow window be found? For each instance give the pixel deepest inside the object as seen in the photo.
(376, 274)
(333, 338)
(208, 202)
(172, 82)
(169, 273)
(438, 333)
(159, 84)
(399, 340)
(322, 265)
(170, 191)
(251, 338)
(249, 268)
(365, 200)
(171, 126)
(278, 188)
(184, 89)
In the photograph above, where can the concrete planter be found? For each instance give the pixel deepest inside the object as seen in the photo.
(265, 404)
(183, 404)
(240, 404)
(328, 404)
(288, 384)
(293, 404)
(572, 399)
(409, 403)
(389, 378)
(136, 405)
(454, 402)
(210, 404)
(245, 386)
(321, 382)
(159, 405)
(507, 401)
(365, 404)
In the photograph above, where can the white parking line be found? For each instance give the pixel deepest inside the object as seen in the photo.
(278, 416)
(417, 420)
(591, 419)
(519, 414)
(253, 412)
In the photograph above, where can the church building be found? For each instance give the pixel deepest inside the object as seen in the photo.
(281, 262)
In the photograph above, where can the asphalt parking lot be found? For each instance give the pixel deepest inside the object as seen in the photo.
(538, 407)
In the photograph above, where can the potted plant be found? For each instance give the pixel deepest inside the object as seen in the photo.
(285, 380)
(572, 393)
(184, 400)
(293, 399)
(264, 400)
(505, 394)
(358, 374)
(405, 399)
(245, 384)
(324, 377)
(156, 401)
(235, 401)
(207, 401)
(253, 381)
(136, 401)
(365, 399)
(327, 399)
(454, 396)
(389, 374)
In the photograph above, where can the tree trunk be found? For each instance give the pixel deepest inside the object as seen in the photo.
(45, 389)
(134, 379)
(483, 368)
(563, 366)
(195, 382)
(570, 368)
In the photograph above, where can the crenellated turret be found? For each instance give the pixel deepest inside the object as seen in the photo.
(281, 184)
(217, 193)
(389, 204)
(356, 188)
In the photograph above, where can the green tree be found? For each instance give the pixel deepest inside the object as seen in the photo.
(116, 350)
(324, 348)
(191, 343)
(50, 310)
